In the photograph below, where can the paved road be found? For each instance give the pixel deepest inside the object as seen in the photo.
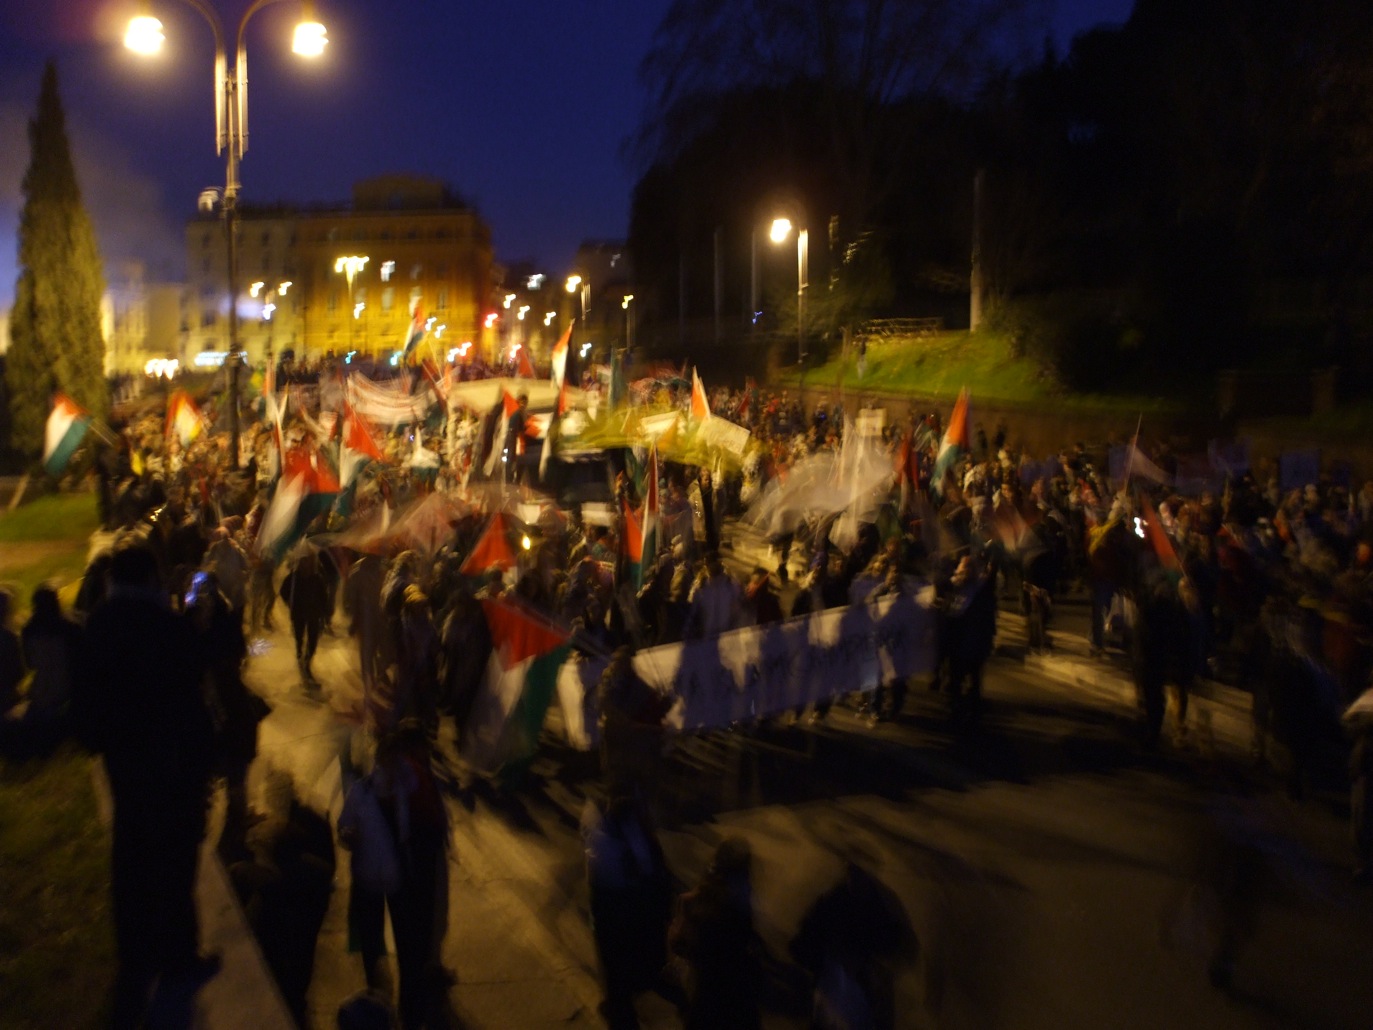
(1046, 863)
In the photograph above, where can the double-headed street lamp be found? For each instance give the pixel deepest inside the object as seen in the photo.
(781, 229)
(349, 267)
(144, 36)
(576, 284)
(269, 306)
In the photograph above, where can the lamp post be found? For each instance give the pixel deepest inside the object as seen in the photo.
(576, 284)
(349, 267)
(144, 36)
(629, 322)
(781, 229)
(269, 307)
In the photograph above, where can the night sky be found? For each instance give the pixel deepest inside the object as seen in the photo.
(522, 108)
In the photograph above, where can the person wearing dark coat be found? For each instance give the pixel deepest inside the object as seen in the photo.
(307, 597)
(714, 932)
(139, 704)
(631, 902)
(51, 643)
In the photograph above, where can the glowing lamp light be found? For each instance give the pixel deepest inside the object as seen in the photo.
(781, 229)
(491, 319)
(548, 317)
(522, 312)
(162, 368)
(144, 35)
(358, 309)
(526, 543)
(310, 39)
(267, 310)
(585, 347)
(509, 299)
(255, 289)
(573, 281)
(629, 297)
(395, 358)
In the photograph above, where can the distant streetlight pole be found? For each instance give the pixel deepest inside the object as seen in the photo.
(629, 322)
(269, 307)
(781, 229)
(144, 36)
(349, 267)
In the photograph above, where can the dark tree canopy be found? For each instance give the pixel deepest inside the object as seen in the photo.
(1193, 189)
(55, 334)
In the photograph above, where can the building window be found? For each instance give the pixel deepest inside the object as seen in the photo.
(266, 237)
(441, 272)
(333, 301)
(416, 270)
(443, 298)
(416, 294)
(388, 298)
(388, 269)
(360, 295)
(207, 319)
(266, 262)
(204, 266)
(205, 240)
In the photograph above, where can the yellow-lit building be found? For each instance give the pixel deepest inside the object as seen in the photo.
(424, 248)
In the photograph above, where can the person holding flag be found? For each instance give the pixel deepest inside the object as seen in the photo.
(956, 443)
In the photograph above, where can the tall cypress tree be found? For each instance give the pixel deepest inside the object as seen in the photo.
(55, 338)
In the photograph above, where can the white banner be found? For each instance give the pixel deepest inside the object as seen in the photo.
(722, 433)
(762, 671)
(388, 404)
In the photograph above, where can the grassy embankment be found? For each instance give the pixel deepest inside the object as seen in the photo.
(939, 365)
(56, 942)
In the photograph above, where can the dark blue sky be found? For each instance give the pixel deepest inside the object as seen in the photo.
(522, 108)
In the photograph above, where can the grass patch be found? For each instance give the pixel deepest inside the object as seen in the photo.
(940, 364)
(56, 936)
(51, 517)
(56, 932)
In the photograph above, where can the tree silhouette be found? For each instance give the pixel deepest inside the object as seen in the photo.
(55, 338)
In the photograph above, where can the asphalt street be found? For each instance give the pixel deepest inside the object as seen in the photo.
(1053, 871)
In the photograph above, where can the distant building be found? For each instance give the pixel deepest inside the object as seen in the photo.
(140, 320)
(426, 249)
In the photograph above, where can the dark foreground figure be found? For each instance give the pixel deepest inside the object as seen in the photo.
(141, 707)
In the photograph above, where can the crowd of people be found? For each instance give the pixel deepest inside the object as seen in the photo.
(1270, 588)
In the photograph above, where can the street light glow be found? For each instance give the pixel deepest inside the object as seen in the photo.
(144, 35)
(548, 317)
(310, 39)
(573, 281)
(781, 229)
(255, 289)
(625, 303)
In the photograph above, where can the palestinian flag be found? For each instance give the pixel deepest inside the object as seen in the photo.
(508, 711)
(492, 548)
(500, 417)
(357, 446)
(560, 350)
(700, 406)
(67, 426)
(1158, 538)
(308, 488)
(554, 436)
(183, 418)
(416, 333)
(641, 532)
(524, 367)
(956, 443)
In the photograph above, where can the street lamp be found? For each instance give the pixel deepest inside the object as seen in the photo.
(781, 229)
(349, 267)
(576, 284)
(145, 36)
(269, 307)
(629, 321)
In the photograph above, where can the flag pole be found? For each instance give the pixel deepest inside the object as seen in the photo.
(1130, 457)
